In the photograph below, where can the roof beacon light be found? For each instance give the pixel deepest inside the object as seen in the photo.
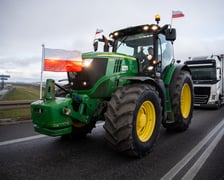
(157, 18)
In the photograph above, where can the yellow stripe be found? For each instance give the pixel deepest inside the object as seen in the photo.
(116, 55)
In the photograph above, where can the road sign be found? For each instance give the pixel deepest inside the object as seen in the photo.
(4, 76)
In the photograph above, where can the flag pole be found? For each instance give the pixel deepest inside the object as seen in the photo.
(94, 38)
(171, 23)
(42, 67)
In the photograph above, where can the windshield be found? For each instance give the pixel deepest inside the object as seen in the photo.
(133, 44)
(203, 73)
(165, 51)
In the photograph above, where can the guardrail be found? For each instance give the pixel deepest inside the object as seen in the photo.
(7, 105)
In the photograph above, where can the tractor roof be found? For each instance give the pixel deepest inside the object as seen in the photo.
(134, 30)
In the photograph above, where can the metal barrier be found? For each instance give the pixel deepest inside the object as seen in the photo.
(8, 105)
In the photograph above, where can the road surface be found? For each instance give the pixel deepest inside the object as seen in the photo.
(194, 154)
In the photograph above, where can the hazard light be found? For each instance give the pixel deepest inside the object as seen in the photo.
(157, 18)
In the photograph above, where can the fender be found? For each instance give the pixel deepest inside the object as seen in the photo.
(170, 72)
(177, 70)
(169, 76)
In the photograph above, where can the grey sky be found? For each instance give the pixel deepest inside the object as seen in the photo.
(71, 24)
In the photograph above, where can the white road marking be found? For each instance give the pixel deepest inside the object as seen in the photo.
(32, 137)
(176, 169)
(192, 172)
(21, 140)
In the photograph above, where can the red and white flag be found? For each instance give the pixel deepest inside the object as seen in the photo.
(177, 14)
(59, 60)
(98, 31)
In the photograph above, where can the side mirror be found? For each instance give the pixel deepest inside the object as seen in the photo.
(95, 45)
(178, 61)
(170, 34)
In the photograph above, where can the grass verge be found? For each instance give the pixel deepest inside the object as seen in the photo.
(20, 92)
(17, 114)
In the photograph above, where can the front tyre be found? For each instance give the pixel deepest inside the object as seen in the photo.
(133, 118)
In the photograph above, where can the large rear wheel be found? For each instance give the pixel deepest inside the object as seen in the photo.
(133, 119)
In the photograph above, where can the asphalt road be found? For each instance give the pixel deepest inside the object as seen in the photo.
(197, 153)
(3, 92)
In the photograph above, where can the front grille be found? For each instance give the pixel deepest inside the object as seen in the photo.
(117, 66)
(201, 95)
(88, 77)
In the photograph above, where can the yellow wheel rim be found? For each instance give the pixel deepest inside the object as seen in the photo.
(146, 120)
(185, 100)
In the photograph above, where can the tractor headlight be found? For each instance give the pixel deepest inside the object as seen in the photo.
(86, 62)
(150, 68)
(145, 28)
(154, 27)
(114, 35)
(149, 57)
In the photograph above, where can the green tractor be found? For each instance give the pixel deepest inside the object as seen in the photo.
(132, 91)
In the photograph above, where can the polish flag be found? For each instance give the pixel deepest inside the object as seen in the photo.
(177, 14)
(98, 31)
(59, 60)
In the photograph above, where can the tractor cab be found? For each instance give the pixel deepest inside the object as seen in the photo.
(153, 54)
(151, 45)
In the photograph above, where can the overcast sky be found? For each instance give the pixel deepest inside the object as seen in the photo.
(71, 25)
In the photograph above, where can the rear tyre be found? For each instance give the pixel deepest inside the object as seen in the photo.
(133, 119)
(181, 96)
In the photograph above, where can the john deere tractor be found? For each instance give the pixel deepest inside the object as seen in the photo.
(132, 91)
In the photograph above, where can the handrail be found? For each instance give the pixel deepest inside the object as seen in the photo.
(18, 104)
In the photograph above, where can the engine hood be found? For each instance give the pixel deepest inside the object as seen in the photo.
(106, 55)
